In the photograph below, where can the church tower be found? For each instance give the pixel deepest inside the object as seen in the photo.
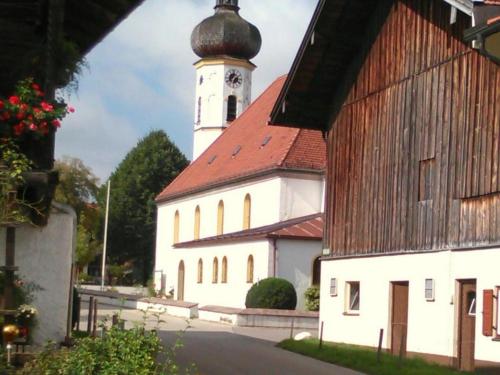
(225, 43)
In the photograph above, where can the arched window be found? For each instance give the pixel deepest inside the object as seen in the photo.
(215, 271)
(176, 227)
(200, 271)
(220, 218)
(197, 223)
(250, 269)
(198, 115)
(231, 108)
(224, 270)
(247, 212)
(316, 271)
(180, 281)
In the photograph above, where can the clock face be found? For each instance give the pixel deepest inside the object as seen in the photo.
(234, 78)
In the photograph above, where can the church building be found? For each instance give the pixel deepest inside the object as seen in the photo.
(250, 204)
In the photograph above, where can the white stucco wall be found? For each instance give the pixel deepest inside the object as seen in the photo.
(44, 256)
(274, 199)
(230, 294)
(300, 196)
(431, 325)
(295, 263)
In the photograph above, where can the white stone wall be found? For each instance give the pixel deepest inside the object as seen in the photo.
(432, 326)
(295, 263)
(44, 256)
(230, 294)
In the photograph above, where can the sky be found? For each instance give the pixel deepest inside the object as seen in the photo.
(141, 76)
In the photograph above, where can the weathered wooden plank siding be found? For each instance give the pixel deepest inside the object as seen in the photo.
(414, 153)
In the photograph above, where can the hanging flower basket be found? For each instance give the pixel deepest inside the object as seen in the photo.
(31, 121)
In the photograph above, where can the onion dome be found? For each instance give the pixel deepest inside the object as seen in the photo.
(226, 33)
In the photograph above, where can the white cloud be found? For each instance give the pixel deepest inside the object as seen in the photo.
(145, 67)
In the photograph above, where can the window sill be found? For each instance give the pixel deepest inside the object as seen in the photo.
(351, 313)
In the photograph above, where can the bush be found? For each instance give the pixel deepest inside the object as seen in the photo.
(312, 298)
(118, 352)
(272, 293)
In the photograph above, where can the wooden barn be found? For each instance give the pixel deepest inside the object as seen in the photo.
(411, 115)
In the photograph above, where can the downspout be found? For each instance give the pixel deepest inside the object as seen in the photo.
(275, 257)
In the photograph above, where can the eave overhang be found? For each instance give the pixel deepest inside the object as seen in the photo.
(331, 53)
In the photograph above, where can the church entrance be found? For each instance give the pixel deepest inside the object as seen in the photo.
(180, 282)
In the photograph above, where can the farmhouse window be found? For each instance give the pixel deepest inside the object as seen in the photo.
(250, 269)
(176, 227)
(197, 219)
(353, 296)
(220, 218)
(429, 289)
(224, 270)
(333, 287)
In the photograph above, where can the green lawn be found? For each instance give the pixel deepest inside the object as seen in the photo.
(365, 360)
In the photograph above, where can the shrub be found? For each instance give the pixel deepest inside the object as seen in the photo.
(118, 352)
(312, 298)
(272, 293)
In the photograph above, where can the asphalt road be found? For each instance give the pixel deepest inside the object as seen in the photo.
(218, 349)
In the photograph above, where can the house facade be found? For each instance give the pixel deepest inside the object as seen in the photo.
(412, 239)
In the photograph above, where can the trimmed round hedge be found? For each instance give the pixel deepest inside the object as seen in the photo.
(272, 293)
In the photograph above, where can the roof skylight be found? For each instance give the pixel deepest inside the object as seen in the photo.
(212, 159)
(265, 141)
(236, 151)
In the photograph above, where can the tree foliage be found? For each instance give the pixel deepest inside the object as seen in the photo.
(78, 187)
(151, 165)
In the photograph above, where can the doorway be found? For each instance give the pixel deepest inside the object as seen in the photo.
(180, 282)
(466, 324)
(399, 317)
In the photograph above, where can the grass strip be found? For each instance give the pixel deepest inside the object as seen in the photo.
(365, 360)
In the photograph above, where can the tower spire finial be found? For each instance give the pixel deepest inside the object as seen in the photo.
(232, 4)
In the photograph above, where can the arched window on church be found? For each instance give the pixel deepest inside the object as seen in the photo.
(247, 212)
(200, 271)
(316, 271)
(197, 223)
(220, 218)
(224, 270)
(250, 269)
(232, 104)
(198, 116)
(176, 227)
(215, 271)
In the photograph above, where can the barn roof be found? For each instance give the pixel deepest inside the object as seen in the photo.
(330, 51)
(248, 148)
(303, 228)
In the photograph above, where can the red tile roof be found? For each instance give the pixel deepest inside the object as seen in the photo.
(302, 228)
(287, 148)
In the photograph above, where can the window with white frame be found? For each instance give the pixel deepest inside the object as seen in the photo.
(429, 289)
(333, 287)
(353, 297)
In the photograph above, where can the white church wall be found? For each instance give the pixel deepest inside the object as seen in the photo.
(301, 196)
(230, 294)
(44, 256)
(431, 324)
(295, 263)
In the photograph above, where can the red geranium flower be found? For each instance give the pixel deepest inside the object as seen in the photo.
(56, 123)
(33, 127)
(1, 105)
(20, 115)
(34, 86)
(18, 129)
(71, 109)
(46, 107)
(14, 100)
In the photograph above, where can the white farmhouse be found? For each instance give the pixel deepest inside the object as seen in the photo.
(250, 205)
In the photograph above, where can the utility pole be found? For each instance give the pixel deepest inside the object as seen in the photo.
(103, 273)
